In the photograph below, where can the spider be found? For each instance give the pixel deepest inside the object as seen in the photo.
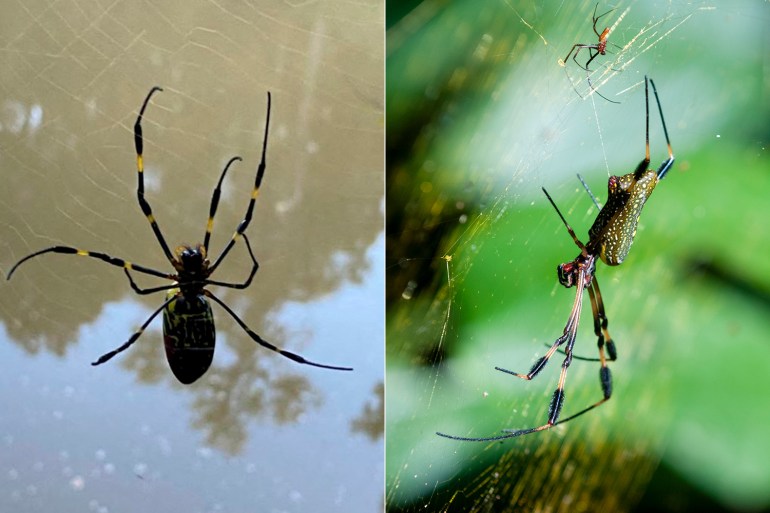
(610, 239)
(188, 321)
(594, 50)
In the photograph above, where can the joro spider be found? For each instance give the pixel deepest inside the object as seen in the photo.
(188, 321)
(610, 239)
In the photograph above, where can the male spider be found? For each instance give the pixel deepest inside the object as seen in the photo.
(610, 239)
(594, 50)
(188, 322)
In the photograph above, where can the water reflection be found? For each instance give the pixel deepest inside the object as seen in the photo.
(139, 432)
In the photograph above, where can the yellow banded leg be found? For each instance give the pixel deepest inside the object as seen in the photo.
(145, 206)
(215, 203)
(117, 262)
(254, 193)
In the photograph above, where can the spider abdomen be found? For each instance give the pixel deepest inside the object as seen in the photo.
(188, 335)
(614, 230)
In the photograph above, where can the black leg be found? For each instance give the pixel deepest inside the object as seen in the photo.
(254, 193)
(596, 91)
(601, 322)
(666, 165)
(215, 203)
(254, 268)
(145, 206)
(152, 290)
(107, 356)
(117, 262)
(259, 340)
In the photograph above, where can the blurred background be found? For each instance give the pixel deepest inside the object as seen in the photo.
(480, 116)
(257, 432)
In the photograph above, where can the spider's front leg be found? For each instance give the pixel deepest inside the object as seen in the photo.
(143, 203)
(241, 229)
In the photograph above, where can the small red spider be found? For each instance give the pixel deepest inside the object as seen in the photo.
(598, 49)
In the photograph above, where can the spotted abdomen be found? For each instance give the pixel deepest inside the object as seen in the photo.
(614, 230)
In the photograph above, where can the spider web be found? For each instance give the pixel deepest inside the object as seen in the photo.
(75, 73)
(480, 117)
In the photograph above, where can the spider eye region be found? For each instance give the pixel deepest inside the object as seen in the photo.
(192, 259)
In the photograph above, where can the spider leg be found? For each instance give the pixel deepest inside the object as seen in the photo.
(254, 268)
(600, 327)
(591, 57)
(107, 356)
(215, 203)
(596, 91)
(576, 45)
(563, 220)
(605, 379)
(152, 290)
(202, 283)
(588, 190)
(590, 85)
(601, 322)
(606, 382)
(117, 262)
(259, 340)
(579, 47)
(596, 19)
(145, 206)
(666, 165)
(568, 337)
(254, 193)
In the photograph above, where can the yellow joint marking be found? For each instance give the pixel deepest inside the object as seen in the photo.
(140, 163)
(254, 193)
(82, 253)
(151, 218)
(210, 225)
(127, 265)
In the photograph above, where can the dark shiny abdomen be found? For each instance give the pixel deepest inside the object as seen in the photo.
(189, 336)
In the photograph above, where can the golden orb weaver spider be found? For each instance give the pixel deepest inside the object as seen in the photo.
(594, 50)
(188, 321)
(610, 239)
